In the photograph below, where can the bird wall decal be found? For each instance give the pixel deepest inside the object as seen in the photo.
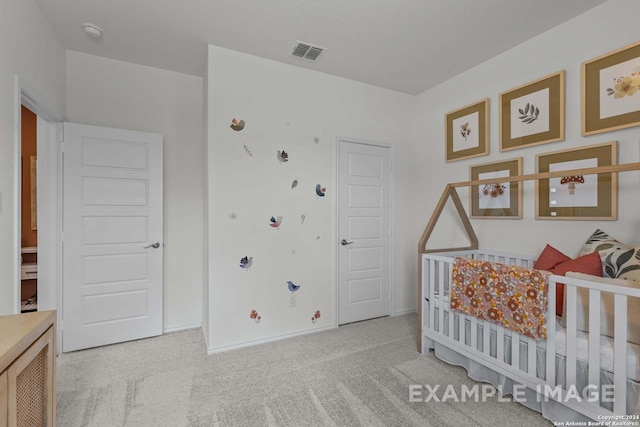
(255, 316)
(292, 286)
(275, 222)
(246, 262)
(282, 156)
(237, 125)
(320, 190)
(316, 316)
(294, 184)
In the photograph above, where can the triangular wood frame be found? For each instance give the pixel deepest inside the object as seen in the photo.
(450, 192)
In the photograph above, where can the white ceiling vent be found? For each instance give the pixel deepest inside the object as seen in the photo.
(307, 51)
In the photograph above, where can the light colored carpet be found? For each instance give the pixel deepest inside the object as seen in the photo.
(358, 374)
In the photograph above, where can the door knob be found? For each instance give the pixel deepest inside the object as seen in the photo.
(344, 242)
(154, 245)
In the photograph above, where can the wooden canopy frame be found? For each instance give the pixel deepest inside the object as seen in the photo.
(451, 192)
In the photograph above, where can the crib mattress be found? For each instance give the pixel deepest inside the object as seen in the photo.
(582, 345)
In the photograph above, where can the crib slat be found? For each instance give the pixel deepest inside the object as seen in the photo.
(486, 336)
(570, 314)
(500, 343)
(446, 284)
(531, 356)
(432, 292)
(515, 350)
(620, 352)
(594, 337)
(474, 333)
(550, 364)
(441, 298)
(462, 323)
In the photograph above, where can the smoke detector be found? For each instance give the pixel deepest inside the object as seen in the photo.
(307, 51)
(92, 30)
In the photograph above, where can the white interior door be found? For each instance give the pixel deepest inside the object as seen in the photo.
(364, 231)
(112, 236)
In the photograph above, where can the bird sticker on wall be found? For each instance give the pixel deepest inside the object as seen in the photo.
(316, 140)
(302, 218)
(246, 263)
(255, 316)
(282, 156)
(233, 216)
(320, 190)
(237, 125)
(316, 316)
(292, 287)
(294, 184)
(275, 222)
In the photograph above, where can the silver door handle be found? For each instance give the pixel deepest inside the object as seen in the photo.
(154, 245)
(344, 242)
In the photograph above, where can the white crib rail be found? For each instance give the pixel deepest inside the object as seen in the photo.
(439, 325)
(621, 295)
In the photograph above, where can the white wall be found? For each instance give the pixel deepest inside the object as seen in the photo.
(594, 33)
(105, 92)
(286, 107)
(30, 49)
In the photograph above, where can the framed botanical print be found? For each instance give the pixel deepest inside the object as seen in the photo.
(467, 131)
(533, 113)
(611, 91)
(578, 196)
(496, 200)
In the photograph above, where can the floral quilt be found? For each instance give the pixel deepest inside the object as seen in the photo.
(511, 296)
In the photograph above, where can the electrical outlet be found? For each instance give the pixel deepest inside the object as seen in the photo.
(293, 300)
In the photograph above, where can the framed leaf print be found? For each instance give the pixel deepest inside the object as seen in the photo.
(611, 91)
(498, 200)
(467, 131)
(533, 113)
(575, 196)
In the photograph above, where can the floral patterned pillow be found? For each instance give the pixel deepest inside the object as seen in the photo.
(601, 242)
(623, 263)
(619, 261)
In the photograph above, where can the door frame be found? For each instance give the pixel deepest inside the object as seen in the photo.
(336, 218)
(49, 208)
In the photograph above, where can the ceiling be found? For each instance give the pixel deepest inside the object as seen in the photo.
(403, 45)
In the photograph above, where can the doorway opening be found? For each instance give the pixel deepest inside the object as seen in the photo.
(29, 217)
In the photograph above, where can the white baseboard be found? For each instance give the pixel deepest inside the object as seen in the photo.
(405, 311)
(250, 343)
(181, 328)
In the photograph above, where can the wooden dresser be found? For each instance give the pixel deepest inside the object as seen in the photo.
(28, 370)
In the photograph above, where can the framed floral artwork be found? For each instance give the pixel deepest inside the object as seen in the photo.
(611, 91)
(576, 195)
(533, 113)
(467, 131)
(496, 200)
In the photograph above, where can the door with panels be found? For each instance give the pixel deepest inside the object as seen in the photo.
(112, 236)
(364, 231)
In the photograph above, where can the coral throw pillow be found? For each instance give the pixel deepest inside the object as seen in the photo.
(588, 264)
(549, 258)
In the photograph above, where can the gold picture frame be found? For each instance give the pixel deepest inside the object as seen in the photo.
(467, 131)
(533, 113)
(496, 201)
(584, 197)
(611, 91)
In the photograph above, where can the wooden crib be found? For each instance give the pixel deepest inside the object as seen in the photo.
(467, 337)
(551, 370)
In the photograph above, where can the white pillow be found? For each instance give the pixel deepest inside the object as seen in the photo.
(606, 307)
